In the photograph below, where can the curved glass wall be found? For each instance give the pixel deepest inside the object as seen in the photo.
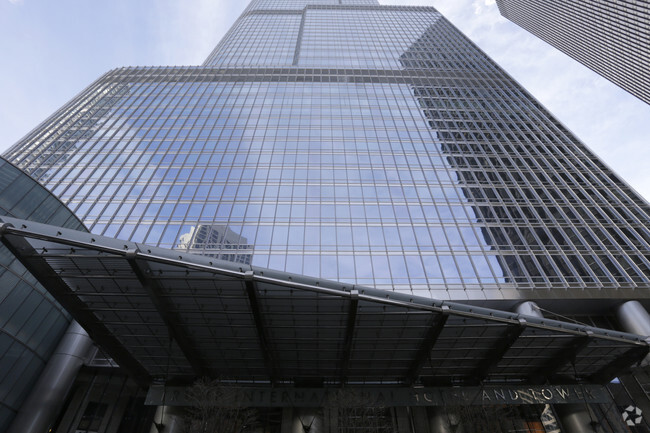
(31, 321)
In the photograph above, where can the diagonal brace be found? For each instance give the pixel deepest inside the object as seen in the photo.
(513, 332)
(619, 365)
(427, 345)
(64, 294)
(564, 356)
(166, 312)
(262, 334)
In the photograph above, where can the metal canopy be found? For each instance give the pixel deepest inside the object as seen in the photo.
(164, 314)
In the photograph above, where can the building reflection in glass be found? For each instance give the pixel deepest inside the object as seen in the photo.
(216, 241)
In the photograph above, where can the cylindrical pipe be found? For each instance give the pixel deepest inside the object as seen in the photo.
(575, 418)
(529, 308)
(43, 404)
(168, 419)
(634, 318)
(439, 420)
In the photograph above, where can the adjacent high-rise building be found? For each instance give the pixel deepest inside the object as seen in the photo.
(339, 140)
(611, 38)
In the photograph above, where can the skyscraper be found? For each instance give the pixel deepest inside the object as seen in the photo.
(610, 38)
(416, 165)
(339, 140)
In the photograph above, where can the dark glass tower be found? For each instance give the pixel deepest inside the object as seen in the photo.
(344, 140)
(611, 38)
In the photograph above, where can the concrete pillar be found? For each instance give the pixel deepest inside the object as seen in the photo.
(168, 419)
(575, 418)
(46, 399)
(529, 308)
(439, 421)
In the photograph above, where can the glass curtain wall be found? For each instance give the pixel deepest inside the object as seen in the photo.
(345, 140)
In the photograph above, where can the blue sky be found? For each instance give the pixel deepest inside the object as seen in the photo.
(52, 50)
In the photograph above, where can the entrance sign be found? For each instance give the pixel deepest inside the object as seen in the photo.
(388, 397)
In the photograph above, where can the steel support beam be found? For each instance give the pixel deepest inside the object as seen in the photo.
(349, 334)
(497, 353)
(427, 345)
(563, 357)
(619, 365)
(165, 310)
(28, 241)
(262, 335)
(42, 271)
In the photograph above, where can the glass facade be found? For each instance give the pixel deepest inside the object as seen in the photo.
(611, 38)
(369, 144)
(31, 321)
(337, 139)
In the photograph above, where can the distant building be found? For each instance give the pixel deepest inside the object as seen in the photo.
(612, 38)
(215, 241)
(355, 216)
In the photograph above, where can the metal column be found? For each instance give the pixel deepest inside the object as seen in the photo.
(287, 420)
(402, 418)
(43, 404)
(439, 420)
(634, 318)
(168, 419)
(529, 308)
(420, 419)
(575, 418)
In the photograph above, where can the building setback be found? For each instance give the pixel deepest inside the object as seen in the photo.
(342, 140)
(612, 38)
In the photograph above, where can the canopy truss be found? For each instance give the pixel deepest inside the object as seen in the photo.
(160, 314)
